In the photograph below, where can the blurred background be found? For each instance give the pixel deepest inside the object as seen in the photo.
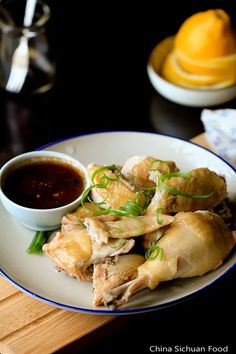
(101, 50)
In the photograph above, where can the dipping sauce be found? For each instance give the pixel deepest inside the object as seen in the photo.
(44, 184)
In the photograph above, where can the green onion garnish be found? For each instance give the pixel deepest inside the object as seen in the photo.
(112, 168)
(167, 176)
(158, 169)
(175, 191)
(132, 208)
(152, 252)
(40, 238)
(159, 212)
(117, 246)
(172, 190)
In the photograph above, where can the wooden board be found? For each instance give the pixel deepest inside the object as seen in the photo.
(27, 324)
(201, 140)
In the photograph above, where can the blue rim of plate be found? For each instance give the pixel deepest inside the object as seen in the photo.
(119, 311)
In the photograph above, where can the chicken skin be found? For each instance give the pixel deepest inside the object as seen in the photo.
(201, 182)
(73, 250)
(194, 244)
(116, 194)
(103, 229)
(177, 219)
(140, 170)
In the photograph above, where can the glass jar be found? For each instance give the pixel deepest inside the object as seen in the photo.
(26, 64)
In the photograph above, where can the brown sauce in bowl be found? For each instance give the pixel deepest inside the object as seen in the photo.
(44, 184)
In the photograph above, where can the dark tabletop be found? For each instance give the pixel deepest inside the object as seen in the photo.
(102, 85)
(101, 82)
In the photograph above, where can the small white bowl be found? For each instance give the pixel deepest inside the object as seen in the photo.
(181, 95)
(40, 219)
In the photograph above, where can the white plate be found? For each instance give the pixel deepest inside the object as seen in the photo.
(189, 97)
(36, 275)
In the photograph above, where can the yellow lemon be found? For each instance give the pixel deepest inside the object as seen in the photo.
(204, 52)
(206, 35)
(216, 66)
(173, 72)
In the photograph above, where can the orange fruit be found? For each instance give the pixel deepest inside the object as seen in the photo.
(204, 52)
(206, 35)
(216, 66)
(173, 72)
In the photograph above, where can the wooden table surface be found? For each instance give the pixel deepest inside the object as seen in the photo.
(27, 324)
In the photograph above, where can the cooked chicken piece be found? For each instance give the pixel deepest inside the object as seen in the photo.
(76, 219)
(74, 251)
(67, 251)
(151, 238)
(138, 170)
(116, 194)
(202, 182)
(124, 227)
(113, 272)
(113, 248)
(88, 209)
(194, 244)
(224, 210)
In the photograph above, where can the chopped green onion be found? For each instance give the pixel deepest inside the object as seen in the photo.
(132, 208)
(174, 174)
(172, 190)
(159, 212)
(152, 252)
(104, 181)
(175, 191)
(40, 238)
(162, 161)
(120, 244)
(146, 189)
(112, 168)
(85, 195)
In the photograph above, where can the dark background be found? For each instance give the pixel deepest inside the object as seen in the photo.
(101, 49)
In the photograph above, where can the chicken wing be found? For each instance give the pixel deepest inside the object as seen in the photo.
(139, 170)
(116, 194)
(194, 244)
(202, 181)
(123, 227)
(74, 251)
